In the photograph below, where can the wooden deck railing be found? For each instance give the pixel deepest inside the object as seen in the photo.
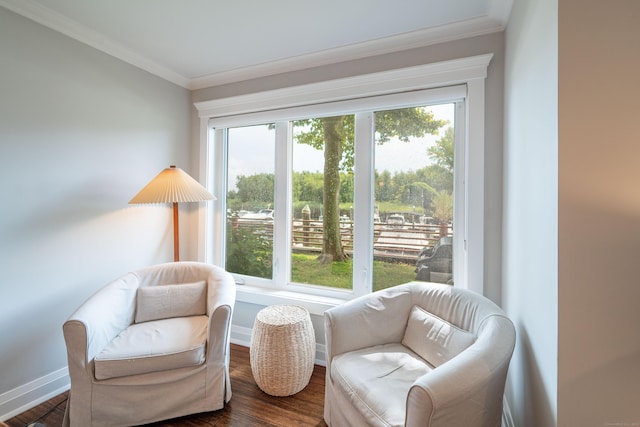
(391, 242)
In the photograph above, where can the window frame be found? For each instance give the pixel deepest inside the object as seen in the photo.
(345, 95)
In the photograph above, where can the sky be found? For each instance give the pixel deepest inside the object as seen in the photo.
(251, 151)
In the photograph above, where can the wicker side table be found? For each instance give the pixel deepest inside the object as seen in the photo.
(283, 349)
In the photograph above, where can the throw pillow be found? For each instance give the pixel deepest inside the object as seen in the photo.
(167, 301)
(434, 339)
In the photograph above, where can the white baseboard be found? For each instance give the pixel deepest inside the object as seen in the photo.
(25, 397)
(241, 335)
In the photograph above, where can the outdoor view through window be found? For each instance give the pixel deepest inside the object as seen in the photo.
(411, 225)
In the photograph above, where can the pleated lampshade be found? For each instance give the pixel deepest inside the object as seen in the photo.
(172, 185)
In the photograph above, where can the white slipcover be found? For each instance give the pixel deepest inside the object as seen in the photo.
(372, 379)
(126, 398)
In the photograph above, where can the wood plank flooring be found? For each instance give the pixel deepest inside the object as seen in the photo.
(249, 406)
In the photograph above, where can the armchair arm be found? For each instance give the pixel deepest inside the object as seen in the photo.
(468, 389)
(377, 318)
(97, 321)
(221, 289)
(221, 301)
(221, 297)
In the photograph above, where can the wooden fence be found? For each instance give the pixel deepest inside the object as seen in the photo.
(391, 242)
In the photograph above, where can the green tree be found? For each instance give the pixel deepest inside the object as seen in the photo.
(383, 186)
(423, 193)
(248, 252)
(307, 186)
(443, 207)
(256, 188)
(442, 152)
(335, 135)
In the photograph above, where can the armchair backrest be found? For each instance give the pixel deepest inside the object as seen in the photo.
(463, 308)
(384, 314)
(217, 280)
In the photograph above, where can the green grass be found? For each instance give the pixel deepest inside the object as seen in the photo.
(306, 269)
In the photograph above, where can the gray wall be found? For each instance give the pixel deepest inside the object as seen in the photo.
(80, 134)
(599, 213)
(530, 255)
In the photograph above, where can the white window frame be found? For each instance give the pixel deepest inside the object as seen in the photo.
(298, 101)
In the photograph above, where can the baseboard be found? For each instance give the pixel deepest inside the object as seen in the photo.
(242, 336)
(27, 396)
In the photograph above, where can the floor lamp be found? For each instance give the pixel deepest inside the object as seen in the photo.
(172, 185)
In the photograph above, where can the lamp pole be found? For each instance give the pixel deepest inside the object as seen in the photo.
(176, 233)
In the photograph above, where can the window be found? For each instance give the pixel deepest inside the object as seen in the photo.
(249, 201)
(321, 194)
(413, 192)
(376, 206)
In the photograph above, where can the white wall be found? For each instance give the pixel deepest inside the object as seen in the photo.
(530, 236)
(599, 213)
(80, 134)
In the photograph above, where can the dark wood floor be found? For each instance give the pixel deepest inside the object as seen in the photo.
(249, 406)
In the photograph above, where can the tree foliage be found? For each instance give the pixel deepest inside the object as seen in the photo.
(443, 206)
(256, 188)
(249, 252)
(442, 152)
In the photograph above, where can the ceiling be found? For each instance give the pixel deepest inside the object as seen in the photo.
(200, 43)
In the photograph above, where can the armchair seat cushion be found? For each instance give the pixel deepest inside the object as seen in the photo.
(154, 346)
(377, 380)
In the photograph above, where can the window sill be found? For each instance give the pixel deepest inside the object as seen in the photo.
(315, 304)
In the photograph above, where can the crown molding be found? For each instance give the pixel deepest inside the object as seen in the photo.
(495, 21)
(459, 30)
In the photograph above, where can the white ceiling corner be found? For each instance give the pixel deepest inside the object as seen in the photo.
(216, 43)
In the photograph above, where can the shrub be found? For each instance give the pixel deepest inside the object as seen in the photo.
(249, 253)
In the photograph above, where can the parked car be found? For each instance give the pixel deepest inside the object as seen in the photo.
(395, 220)
(437, 260)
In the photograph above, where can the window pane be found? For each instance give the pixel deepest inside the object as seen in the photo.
(322, 196)
(413, 195)
(250, 198)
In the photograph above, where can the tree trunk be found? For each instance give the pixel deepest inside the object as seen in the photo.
(332, 243)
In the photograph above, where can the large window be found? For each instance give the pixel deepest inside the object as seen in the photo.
(339, 198)
(409, 234)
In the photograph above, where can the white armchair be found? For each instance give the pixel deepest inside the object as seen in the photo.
(419, 354)
(151, 345)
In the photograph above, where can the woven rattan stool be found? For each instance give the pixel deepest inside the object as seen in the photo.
(283, 349)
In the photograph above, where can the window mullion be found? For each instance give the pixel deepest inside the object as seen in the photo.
(460, 192)
(363, 204)
(282, 205)
(219, 183)
(474, 175)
